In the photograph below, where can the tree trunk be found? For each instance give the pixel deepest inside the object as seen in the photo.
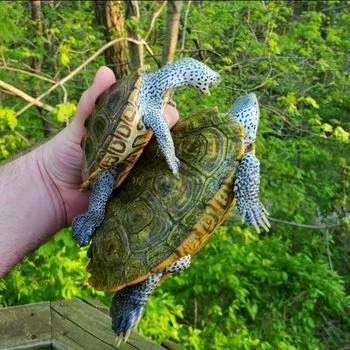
(135, 51)
(36, 64)
(172, 31)
(37, 18)
(110, 14)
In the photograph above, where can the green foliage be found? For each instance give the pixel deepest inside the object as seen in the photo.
(286, 290)
(263, 296)
(59, 273)
(64, 111)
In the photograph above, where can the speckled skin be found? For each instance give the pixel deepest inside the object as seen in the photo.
(85, 225)
(128, 304)
(185, 72)
(246, 110)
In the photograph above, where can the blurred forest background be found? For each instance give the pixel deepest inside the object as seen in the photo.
(288, 289)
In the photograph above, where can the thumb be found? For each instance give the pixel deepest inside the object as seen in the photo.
(104, 78)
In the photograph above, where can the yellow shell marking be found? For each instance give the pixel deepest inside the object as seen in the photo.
(129, 139)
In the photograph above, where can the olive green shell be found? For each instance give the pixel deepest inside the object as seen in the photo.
(155, 218)
(114, 133)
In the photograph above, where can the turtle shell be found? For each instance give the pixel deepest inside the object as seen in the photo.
(154, 217)
(115, 135)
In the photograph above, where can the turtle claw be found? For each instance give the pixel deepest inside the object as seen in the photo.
(266, 222)
(84, 226)
(118, 341)
(122, 338)
(126, 311)
(255, 215)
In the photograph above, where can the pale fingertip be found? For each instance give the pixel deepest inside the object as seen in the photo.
(104, 78)
(171, 115)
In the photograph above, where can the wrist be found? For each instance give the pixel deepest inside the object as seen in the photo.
(55, 210)
(31, 207)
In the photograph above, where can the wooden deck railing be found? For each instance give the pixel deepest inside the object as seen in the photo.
(73, 324)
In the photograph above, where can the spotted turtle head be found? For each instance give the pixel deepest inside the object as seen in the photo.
(194, 73)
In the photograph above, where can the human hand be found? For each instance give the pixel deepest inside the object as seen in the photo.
(62, 156)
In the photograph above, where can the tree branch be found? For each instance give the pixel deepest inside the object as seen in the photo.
(292, 223)
(37, 76)
(150, 51)
(185, 25)
(25, 96)
(77, 70)
(172, 30)
(154, 18)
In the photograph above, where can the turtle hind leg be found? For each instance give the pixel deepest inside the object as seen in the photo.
(154, 120)
(85, 225)
(128, 304)
(247, 191)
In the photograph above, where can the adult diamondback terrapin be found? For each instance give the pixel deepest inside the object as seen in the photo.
(157, 221)
(126, 116)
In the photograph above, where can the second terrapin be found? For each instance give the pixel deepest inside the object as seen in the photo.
(157, 221)
(126, 116)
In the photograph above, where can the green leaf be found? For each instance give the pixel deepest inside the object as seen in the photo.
(64, 111)
(9, 116)
(63, 55)
(341, 134)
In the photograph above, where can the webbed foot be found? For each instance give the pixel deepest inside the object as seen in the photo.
(85, 225)
(247, 191)
(255, 214)
(128, 304)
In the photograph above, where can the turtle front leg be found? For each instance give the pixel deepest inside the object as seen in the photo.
(157, 123)
(85, 225)
(247, 191)
(128, 304)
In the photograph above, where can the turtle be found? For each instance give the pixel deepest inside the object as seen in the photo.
(156, 221)
(124, 120)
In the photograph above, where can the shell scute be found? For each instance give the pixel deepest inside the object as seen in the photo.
(150, 227)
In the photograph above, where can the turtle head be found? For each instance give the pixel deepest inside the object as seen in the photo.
(199, 75)
(186, 72)
(246, 111)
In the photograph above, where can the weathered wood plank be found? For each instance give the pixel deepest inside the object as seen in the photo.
(142, 343)
(97, 305)
(69, 324)
(24, 325)
(36, 346)
(171, 345)
(71, 336)
(94, 323)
